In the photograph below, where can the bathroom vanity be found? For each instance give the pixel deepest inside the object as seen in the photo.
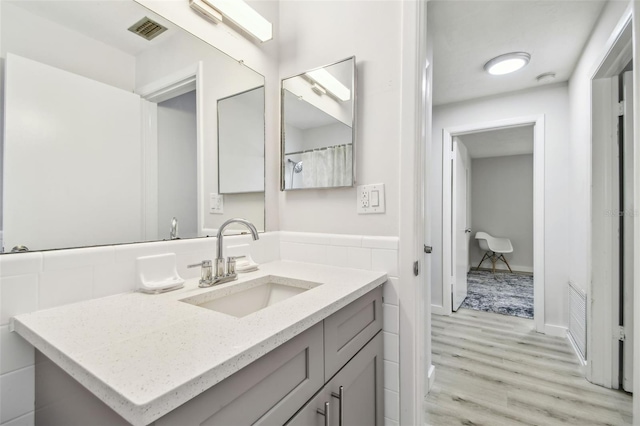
(312, 355)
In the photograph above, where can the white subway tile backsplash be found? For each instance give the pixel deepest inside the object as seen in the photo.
(20, 264)
(28, 419)
(337, 256)
(19, 296)
(346, 240)
(305, 237)
(76, 258)
(113, 279)
(130, 252)
(311, 253)
(390, 291)
(392, 376)
(391, 347)
(391, 405)
(389, 243)
(17, 393)
(65, 286)
(267, 248)
(390, 318)
(16, 352)
(385, 260)
(359, 258)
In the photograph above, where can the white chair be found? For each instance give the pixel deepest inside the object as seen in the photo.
(495, 249)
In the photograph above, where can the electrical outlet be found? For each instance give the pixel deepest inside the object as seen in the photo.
(216, 204)
(371, 199)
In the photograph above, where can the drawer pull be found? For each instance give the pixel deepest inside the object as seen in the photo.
(326, 413)
(340, 396)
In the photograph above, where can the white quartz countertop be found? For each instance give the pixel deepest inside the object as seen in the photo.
(144, 355)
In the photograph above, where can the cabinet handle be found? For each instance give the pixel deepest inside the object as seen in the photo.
(340, 396)
(326, 413)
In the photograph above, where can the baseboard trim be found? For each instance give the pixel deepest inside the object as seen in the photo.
(431, 376)
(555, 330)
(439, 310)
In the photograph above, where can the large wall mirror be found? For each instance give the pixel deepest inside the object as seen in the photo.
(110, 127)
(318, 127)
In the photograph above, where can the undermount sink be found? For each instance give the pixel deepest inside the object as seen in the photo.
(247, 297)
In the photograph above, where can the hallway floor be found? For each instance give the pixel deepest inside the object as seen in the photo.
(495, 370)
(507, 293)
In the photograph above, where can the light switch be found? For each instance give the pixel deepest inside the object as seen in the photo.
(375, 198)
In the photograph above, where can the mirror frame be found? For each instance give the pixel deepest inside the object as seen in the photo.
(353, 127)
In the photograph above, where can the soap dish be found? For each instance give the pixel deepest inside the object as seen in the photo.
(157, 274)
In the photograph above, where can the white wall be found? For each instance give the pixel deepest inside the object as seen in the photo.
(307, 41)
(580, 144)
(502, 206)
(177, 159)
(552, 101)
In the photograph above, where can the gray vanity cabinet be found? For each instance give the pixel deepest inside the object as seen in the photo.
(345, 350)
(359, 402)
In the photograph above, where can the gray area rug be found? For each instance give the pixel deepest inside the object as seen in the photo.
(505, 293)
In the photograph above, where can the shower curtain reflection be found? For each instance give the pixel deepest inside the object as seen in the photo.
(319, 168)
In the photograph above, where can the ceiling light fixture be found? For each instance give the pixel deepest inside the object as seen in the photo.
(547, 77)
(507, 63)
(242, 15)
(330, 83)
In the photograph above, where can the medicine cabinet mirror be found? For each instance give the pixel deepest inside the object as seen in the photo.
(318, 128)
(110, 128)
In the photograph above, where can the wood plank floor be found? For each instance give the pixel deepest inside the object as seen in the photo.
(495, 370)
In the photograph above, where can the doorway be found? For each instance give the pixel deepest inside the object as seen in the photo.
(494, 234)
(451, 252)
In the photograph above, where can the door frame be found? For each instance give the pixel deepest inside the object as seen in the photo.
(602, 283)
(538, 208)
(168, 87)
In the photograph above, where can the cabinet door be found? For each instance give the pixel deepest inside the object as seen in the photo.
(360, 402)
(268, 391)
(349, 329)
(314, 411)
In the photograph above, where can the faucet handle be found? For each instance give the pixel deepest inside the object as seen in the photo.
(204, 264)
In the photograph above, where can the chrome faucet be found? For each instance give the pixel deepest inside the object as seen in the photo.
(224, 270)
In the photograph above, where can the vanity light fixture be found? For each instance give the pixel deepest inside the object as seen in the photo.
(318, 90)
(507, 63)
(244, 16)
(330, 83)
(205, 10)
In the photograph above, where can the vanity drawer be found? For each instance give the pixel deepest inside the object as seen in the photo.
(349, 329)
(267, 391)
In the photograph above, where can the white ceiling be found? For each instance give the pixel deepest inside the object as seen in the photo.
(466, 34)
(499, 143)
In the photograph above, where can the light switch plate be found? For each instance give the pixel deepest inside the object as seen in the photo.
(216, 204)
(371, 199)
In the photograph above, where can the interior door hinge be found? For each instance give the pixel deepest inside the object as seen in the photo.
(620, 108)
(621, 335)
(416, 268)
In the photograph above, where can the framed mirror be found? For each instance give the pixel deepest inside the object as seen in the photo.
(110, 134)
(318, 128)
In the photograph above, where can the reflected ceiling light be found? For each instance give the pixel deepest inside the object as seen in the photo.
(330, 83)
(507, 63)
(242, 15)
(205, 10)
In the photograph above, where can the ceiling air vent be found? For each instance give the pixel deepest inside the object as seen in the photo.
(147, 29)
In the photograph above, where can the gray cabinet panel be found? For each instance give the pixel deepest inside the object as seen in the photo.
(308, 415)
(349, 329)
(362, 382)
(267, 391)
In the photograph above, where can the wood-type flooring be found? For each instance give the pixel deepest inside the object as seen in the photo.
(496, 370)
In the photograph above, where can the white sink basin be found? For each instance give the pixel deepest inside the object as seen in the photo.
(247, 297)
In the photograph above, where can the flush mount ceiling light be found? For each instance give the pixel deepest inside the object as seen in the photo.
(242, 15)
(507, 63)
(330, 83)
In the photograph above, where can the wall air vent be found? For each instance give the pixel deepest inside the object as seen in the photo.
(147, 28)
